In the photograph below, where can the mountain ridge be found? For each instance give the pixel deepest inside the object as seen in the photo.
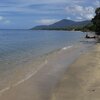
(64, 23)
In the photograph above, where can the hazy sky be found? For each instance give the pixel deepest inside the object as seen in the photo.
(28, 13)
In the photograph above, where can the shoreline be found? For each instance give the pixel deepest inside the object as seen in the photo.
(32, 63)
(82, 78)
(41, 81)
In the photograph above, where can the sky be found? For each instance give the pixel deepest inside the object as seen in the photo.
(25, 14)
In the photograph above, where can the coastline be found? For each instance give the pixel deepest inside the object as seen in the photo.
(40, 82)
(82, 79)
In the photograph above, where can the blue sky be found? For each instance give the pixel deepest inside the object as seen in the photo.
(24, 14)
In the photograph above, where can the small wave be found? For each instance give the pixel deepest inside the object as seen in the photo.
(3, 90)
(65, 48)
(28, 76)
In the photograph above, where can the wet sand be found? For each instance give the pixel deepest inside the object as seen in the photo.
(82, 79)
(42, 82)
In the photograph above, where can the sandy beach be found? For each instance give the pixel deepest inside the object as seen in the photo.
(82, 79)
(41, 83)
(50, 50)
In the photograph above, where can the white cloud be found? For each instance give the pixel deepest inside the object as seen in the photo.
(97, 3)
(46, 21)
(3, 20)
(69, 18)
(80, 11)
(79, 18)
(19, 5)
(45, 1)
(7, 22)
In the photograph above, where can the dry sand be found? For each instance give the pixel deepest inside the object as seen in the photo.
(82, 79)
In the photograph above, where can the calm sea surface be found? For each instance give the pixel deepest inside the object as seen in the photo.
(15, 43)
(18, 46)
(23, 52)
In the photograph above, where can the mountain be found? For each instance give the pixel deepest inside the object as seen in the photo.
(65, 23)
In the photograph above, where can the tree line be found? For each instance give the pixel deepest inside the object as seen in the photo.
(96, 21)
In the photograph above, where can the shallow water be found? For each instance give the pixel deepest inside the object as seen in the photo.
(18, 46)
(22, 51)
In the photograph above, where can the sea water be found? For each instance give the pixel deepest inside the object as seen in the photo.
(22, 48)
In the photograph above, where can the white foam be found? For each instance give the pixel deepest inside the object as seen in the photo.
(65, 48)
(28, 76)
(5, 89)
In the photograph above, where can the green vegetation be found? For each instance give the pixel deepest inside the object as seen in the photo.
(64, 24)
(89, 27)
(96, 21)
(68, 28)
(93, 25)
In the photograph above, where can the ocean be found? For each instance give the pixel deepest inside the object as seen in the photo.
(24, 50)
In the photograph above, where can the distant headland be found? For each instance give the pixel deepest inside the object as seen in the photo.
(65, 24)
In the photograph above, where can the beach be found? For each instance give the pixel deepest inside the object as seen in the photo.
(50, 50)
(82, 79)
(33, 64)
(41, 83)
(22, 52)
